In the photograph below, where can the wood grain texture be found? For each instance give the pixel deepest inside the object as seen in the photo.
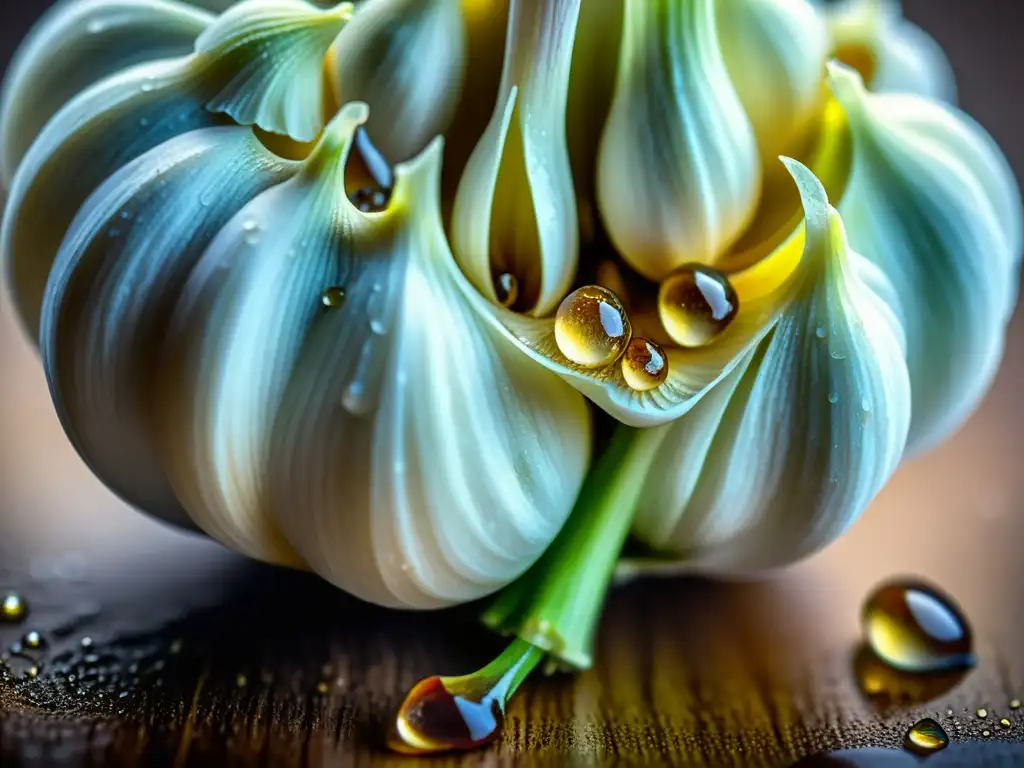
(688, 672)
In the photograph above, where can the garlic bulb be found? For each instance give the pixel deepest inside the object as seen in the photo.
(409, 73)
(891, 53)
(779, 458)
(515, 210)
(678, 171)
(118, 34)
(775, 53)
(934, 203)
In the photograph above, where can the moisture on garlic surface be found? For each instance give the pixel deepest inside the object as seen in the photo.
(292, 288)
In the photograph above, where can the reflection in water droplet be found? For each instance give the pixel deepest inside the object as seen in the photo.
(916, 628)
(333, 296)
(925, 737)
(33, 640)
(644, 364)
(696, 303)
(13, 609)
(506, 289)
(591, 327)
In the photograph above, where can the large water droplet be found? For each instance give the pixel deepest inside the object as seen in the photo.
(644, 364)
(591, 327)
(13, 609)
(916, 628)
(696, 303)
(926, 737)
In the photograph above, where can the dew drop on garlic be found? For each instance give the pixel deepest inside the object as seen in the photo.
(915, 628)
(926, 737)
(506, 289)
(696, 303)
(13, 609)
(591, 327)
(333, 297)
(644, 364)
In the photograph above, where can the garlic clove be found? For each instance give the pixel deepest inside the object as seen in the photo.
(678, 170)
(891, 53)
(803, 434)
(76, 44)
(113, 284)
(125, 115)
(934, 203)
(236, 331)
(406, 59)
(515, 209)
(775, 52)
(418, 458)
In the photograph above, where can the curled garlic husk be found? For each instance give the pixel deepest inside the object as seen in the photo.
(933, 203)
(238, 70)
(775, 51)
(891, 53)
(678, 172)
(782, 455)
(410, 73)
(515, 209)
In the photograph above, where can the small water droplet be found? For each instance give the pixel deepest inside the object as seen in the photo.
(377, 326)
(1004, 722)
(949, 713)
(506, 289)
(241, 681)
(591, 327)
(322, 688)
(250, 225)
(926, 737)
(644, 364)
(95, 27)
(981, 712)
(86, 642)
(696, 303)
(1014, 703)
(820, 332)
(986, 733)
(833, 397)
(333, 296)
(13, 609)
(34, 671)
(370, 200)
(865, 405)
(915, 628)
(33, 640)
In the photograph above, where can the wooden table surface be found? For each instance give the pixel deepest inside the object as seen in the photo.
(201, 658)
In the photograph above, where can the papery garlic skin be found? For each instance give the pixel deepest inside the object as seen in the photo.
(902, 57)
(515, 209)
(934, 203)
(402, 401)
(780, 458)
(76, 44)
(125, 115)
(775, 53)
(113, 285)
(678, 172)
(406, 59)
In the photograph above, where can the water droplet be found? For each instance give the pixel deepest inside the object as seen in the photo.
(1014, 703)
(506, 288)
(915, 628)
(696, 303)
(369, 199)
(982, 712)
(34, 671)
(949, 713)
(644, 364)
(333, 296)
(241, 681)
(865, 405)
(86, 642)
(95, 27)
(144, 122)
(14, 609)
(833, 397)
(820, 332)
(591, 327)
(377, 326)
(323, 688)
(434, 718)
(33, 640)
(986, 733)
(1004, 722)
(925, 737)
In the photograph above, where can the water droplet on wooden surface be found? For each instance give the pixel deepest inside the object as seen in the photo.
(925, 737)
(435, 719)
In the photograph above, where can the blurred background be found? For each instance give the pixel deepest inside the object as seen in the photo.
(955, 516)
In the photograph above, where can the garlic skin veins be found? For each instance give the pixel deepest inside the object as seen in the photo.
(123, 116)
(678, 173)
(780, 457)
(410, 71)
(934, 203)
(901, 57)
(118, 34)
(515, 208)
(775, 53)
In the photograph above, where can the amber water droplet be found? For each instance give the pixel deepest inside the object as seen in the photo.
(506, 289)
(333, 297)
(644, 364)
(916, 628)
(696, 303)
(591, 327)
(436, 719)
(13, 609)
(925, 737)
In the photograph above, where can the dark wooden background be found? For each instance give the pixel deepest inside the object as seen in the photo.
(201, 658)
